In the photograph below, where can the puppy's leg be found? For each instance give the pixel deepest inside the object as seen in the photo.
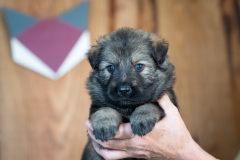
(143, 119)
(105, 123)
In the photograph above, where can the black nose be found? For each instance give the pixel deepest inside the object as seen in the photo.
(124, 91)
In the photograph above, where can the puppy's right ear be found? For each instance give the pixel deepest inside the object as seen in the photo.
(94, 56)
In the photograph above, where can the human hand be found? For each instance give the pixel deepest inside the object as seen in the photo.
(169, 139)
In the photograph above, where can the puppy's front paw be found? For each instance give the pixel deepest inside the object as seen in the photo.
(142, 124)
(105, 123)
(105, 130)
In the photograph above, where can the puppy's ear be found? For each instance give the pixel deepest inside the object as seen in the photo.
(94, 56)
(160, 48)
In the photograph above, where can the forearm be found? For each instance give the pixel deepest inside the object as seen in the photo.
(187, 149)
(194, 151)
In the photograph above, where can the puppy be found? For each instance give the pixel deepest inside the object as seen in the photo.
(130, 73)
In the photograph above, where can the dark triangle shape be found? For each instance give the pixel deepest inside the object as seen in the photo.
(78, 16)
(17, 22)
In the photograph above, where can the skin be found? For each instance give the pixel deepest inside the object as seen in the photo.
(169, 139)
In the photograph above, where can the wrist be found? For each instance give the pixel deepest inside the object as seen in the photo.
(194, 151)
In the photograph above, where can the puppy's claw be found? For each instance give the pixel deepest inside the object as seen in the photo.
(104, 133)
(143, 125)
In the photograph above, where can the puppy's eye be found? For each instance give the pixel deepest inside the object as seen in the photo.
(110, 68)
(139, 67)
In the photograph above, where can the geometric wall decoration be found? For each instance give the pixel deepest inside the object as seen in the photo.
(50, 47)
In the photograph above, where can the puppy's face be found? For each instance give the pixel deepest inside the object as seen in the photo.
(129, 65)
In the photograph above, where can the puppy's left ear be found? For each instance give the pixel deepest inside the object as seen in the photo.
(160, 48)
(94, 56)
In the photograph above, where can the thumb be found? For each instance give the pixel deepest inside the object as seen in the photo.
(166, 103)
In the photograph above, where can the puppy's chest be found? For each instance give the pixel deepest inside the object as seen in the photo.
(125, 112)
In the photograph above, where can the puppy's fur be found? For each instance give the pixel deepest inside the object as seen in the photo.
(130, 73)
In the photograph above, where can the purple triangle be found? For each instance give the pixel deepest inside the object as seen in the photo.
(50, 40)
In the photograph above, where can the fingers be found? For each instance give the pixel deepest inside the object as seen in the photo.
(114, 144)
(166, 104)
(124, 131)
(89, 125)
(111, 154)
(120, 141)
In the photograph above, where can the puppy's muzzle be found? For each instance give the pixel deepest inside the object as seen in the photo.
(124, 90)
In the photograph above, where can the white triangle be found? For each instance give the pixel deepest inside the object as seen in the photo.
(77, 54)
(23, 56)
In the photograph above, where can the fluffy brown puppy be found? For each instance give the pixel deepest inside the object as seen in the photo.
(130, 73)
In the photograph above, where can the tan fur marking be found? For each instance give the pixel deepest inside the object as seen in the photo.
(157, 40)
(141, 89)
(143, 58)
(106, 73)
(105, 113)
(114, 83)
(103, 65)
(93, 49)
(134, 82)
(145, 71)
(111, 58)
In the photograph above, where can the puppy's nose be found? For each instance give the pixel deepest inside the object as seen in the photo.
(124, 91)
